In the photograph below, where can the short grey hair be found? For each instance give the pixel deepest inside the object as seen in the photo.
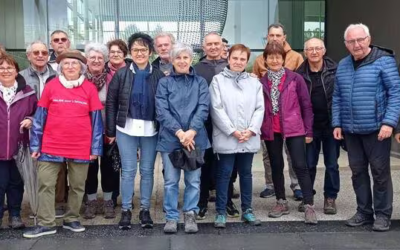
(354, 26)
(178, 48)
(29, 48)
(97, 47)
(277, 26)
(314, 38)
(164, 34)
(83, 66)
(211, 33)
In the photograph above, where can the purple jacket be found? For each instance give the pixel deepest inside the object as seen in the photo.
(294, 108)
(23, 106)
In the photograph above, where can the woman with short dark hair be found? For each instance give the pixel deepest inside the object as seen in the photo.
(131, 120)
(118, 50)
(288, 117)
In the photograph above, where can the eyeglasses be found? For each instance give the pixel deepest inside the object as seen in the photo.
(57, 40)
(358, 40)
(93, 59)
(136, 51)
(317, 49)
(70, 64)
(2, 70)
(43, 53)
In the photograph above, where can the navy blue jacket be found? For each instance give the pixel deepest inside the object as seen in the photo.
(368, 97)
(182, 102)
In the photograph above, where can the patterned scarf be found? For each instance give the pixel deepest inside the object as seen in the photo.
(99, 80)
(275, 78)
(9, 92)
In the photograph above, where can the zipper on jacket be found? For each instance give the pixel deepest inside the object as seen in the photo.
(8, 131)
(326, 96)
(351, 103)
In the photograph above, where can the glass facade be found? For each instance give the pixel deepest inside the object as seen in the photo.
(239, 21)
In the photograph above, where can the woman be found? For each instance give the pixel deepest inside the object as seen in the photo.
(118, 51)
(17, 105)
(182, 103)
(97, 55)
(67, 128)
(131, 120)
(288, 116)
(237, 111)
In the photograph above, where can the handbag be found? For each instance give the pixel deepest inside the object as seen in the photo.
(114, 156)
(187, 160)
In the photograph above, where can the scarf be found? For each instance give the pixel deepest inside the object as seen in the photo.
(9, 92)
(114, 69)
(73, 83)
(275, 78)
(140, 100)
(99, 80)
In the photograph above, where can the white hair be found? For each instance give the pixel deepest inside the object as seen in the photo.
(97, 47)
(314, 38)
(83, 66)
(29, 48)
(164, 34)
(178, 48)
(354, 26)
(211, 33)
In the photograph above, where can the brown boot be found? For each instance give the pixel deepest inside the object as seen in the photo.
(109, 211)
(330, 206)
(90, 210)
(281, 208)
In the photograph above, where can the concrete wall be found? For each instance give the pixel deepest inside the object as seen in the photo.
(382, 17)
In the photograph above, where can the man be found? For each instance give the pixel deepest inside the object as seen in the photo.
(163, 43)
(209, 66)
(319, 72)
(39, 70)
(60, 43)
(277, 33)
(225, 49)
(365, 109)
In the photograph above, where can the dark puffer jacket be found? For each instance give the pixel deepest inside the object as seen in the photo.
(119, 95)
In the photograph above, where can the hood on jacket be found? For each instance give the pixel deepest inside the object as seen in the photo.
(376, 53)
(22, 83)
(227, 72)
(329, 65)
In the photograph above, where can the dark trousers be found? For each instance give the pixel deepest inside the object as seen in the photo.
(11, 184)
(330, 149)
(109, 178)
(364, 150)
(226, 163)
(297, 150)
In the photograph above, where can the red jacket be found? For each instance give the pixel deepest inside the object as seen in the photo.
(295, 108)
(23, 106)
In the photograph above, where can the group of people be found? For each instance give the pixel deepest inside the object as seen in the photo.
(207, 120)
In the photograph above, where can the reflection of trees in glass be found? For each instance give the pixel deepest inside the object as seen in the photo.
(128, 31)
(317, 32)
(157, 29)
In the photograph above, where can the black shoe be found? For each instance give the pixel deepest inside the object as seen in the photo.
(39, 231)
(267, 193)
(145, 219)
(360, 219)
(381, 224)
(74, 226)
(202, 213)
(231, 210)
(301, 208)
(125, 221)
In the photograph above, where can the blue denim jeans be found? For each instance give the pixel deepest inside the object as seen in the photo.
(225, 165)
(191, 194)
(128, 146)
(330, 149)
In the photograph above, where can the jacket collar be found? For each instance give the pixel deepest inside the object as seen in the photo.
(48, 69)
(232, 74)
(192, 73)
(133, 68)
(329, 65)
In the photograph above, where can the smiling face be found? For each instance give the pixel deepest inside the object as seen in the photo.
(237, 60)
(314, 50)
(358, 42)
(182, 63)
(275, 62)
(140, 54)
(163, 47)
(71, 68)
(95, 62)
(212, 46)
(38, 55)
(8, 73)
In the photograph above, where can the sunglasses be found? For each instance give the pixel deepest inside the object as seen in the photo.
(57, 40)
(43, 53)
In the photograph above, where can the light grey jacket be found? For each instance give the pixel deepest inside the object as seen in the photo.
(32, 78)
(237, 103)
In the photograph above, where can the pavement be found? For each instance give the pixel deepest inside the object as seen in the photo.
(287, 232)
